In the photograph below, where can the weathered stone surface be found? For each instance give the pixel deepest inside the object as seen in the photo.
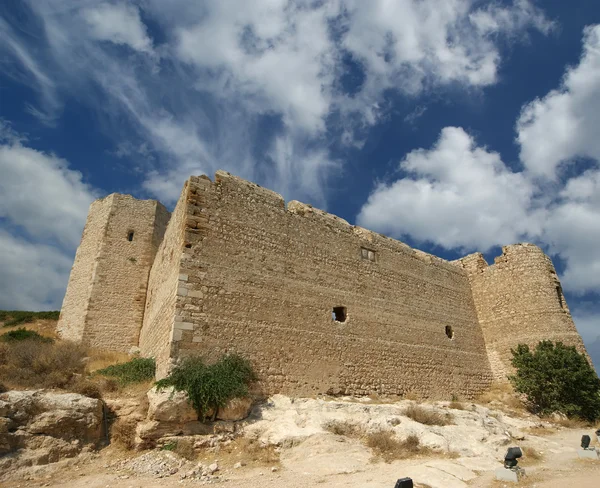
(170, 406)
(235, 270)
(40, 427)
(236, 409)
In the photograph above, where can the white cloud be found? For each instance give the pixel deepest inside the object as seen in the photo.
(457, 195)
(43, 204)
(118, 23)
(572, 231)
(40, 194)
(34, 275)
(562, 126)
(197, 101)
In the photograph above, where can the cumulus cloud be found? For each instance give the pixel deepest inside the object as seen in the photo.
(461, 196)
(34, 275)
(118, 23)
(562, 126)
(457, 195)
(41, 195)
(43, 206)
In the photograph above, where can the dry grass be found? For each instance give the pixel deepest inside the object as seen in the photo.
(540, 430)
(383, 443)
(35, 364)
(250, 451)
(62, 365)
(122, 433)
(427, 417)
(456, 405)
(531, 456)
(570, 423)
(343, 428)
(388, 448)
(99, 359)
(505, 396)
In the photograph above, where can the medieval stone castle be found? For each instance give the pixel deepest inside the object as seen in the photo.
(316, 304)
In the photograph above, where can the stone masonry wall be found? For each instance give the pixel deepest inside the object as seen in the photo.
(75, 304)
(157, 332)
(261, 280)
(128, 236)
(519, 300)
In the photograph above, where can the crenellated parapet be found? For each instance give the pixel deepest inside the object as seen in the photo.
(519, 300)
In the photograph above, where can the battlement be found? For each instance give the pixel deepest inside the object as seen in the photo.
(316, 303)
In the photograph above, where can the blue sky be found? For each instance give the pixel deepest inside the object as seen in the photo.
(454, 126)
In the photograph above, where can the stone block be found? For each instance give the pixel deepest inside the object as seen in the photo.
(513, 475)
(588, 454)
(181, 291)
(183, 277)
(184, 325)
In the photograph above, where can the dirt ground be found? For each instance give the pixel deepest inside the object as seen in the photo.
(559, 467)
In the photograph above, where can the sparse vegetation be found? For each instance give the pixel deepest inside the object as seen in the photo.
(456, 404)
(556, 378)
(210, 387)
(531, 455)
(87, 388)
(137, 370)
(37, 364)
(23, 335)
(503, 397)
(427, 417)
(343, 428)
(17, 317)
(387, 447)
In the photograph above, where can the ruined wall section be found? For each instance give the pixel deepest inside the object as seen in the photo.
(158, 325)
(519, 300)
(71, 322)
(121, 263)
(262, 281)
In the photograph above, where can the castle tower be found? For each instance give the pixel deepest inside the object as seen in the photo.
(106, 294)
(519, 300)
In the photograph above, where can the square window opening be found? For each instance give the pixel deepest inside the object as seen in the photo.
(339, 314)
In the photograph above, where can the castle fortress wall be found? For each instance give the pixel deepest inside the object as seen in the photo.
(262, 280)
(519, 300)
(104, 303)
(71, 323)
(157, 332)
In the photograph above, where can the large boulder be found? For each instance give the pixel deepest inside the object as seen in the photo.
(236, 409)
(39, 427)
(170, 406)
(171, 414)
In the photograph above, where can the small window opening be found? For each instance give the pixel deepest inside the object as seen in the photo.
(130, 236)
(188, 245)
(449, 332)
(367, 254)
(339, 314)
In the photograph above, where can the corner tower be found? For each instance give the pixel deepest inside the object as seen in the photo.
(519, 300)
(106, 294)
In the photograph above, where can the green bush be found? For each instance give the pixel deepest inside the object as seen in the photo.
(135, 371)
(556, 378)
(16, 317)
(23, 335)
(210, 387)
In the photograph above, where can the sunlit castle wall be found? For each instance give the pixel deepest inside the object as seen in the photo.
(519, 300)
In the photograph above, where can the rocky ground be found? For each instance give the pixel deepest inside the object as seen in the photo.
(323, 442)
